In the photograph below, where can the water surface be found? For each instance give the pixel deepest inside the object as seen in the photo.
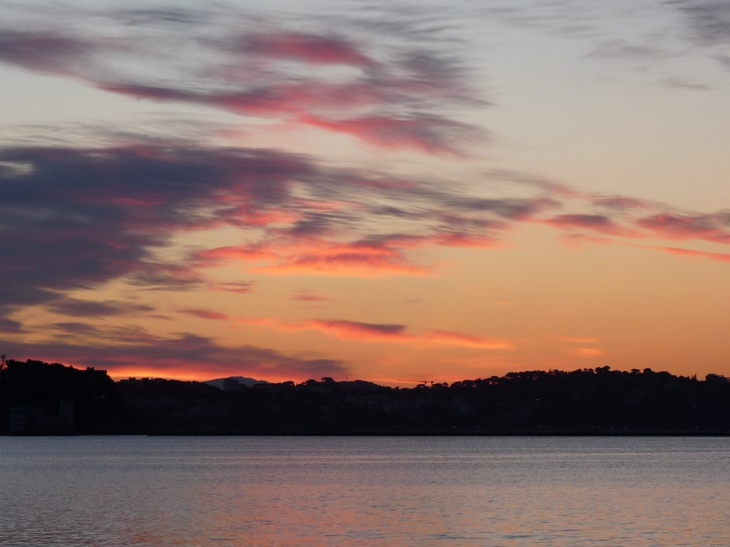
(389, 491)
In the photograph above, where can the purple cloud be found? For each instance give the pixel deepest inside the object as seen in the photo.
(392, 97)
(185, 355)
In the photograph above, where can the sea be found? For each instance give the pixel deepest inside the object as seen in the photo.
(374, 491)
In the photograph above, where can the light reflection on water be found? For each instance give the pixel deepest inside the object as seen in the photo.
(304, 491)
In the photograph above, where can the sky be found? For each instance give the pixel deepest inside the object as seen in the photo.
(390, 191)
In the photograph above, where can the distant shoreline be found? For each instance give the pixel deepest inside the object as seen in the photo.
(37, 398)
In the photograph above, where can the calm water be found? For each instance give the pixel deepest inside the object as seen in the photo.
(98, 491)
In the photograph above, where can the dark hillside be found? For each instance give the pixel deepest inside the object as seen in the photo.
(583, 402)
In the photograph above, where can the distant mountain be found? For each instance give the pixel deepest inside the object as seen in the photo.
(233, 383)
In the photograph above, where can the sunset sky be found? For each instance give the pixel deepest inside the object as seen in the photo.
(389, 191)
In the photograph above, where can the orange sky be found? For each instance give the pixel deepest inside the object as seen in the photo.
(375, 192)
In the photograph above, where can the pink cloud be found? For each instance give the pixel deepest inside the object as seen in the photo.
(310, 298)
(431, 134)
(305, 48)
(683, 226)
(349, 260)
(717, 257)
(465, 340)
(247, 74)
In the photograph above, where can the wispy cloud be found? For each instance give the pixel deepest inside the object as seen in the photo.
(591, 222)
(99, 214)
(242, 287)
(186, 355)
(306, 48)
(206, 314)
(83, 308)
(709, 227)
(708, 19)
(390, 97)
(702, 255)
(389, 333)
(430, 134)
(310, 298)
(587, 353)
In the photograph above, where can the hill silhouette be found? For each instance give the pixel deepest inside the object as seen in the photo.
(582, 402)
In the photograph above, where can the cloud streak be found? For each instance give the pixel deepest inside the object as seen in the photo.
(187, 355)
(389, 98)
(389, 333)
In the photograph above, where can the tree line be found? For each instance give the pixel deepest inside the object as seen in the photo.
(587, 401)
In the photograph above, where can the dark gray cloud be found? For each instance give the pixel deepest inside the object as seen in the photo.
(372, 328)
(510, 208)
(46, 51)
(193, 354)
(74, 218)
(8, 326)
(708, 19)
(73, 329)
(81, 308)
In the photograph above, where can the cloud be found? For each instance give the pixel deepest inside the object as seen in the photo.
(708, 19)
(620, 203)
(459, 339)
(675, 82)
(81, 217)
(270, 100)
(8, 326)
(348, 260)
(709, 227)
(45, 51)
(587, 353)
(305, 48)
(320, 257)
(357, 330)
(205, 314)
(243, 287)
(185, 356)
(389, 333)
(85, 308)
(393, 97)
(717, 257)
(598, 223)
(429, 134)
(244, 253)
(75, 329)
(622, 49)
(309, 297)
